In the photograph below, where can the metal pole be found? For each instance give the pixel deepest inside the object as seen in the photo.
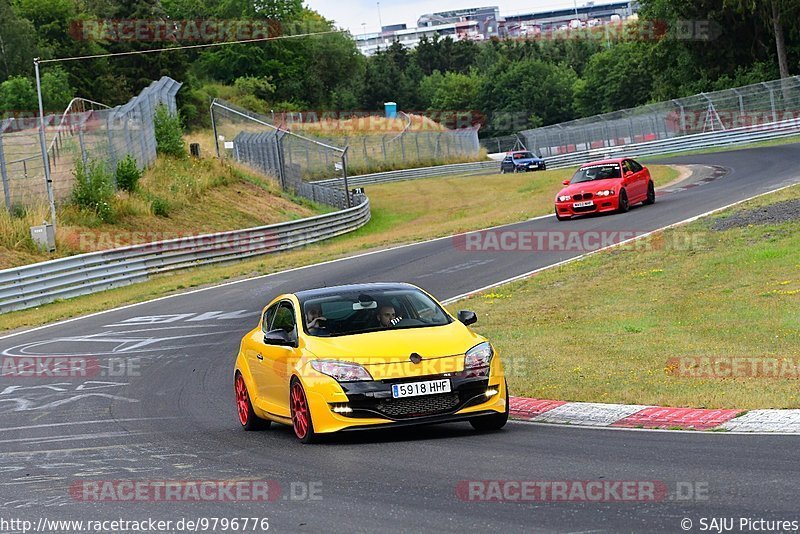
(214, 126)
(43, 144)
(4, 176)
(344, 172)
(82, 142)
(281, 161)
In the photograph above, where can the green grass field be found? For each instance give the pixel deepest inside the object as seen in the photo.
(616, 326)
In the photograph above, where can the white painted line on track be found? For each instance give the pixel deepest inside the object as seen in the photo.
(621, 243)
(93, 422)
(337, 260)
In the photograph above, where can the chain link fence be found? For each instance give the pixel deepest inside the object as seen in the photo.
(505, 143)
(757, 106)
(249, 139)
(310, 156)
(86, 130)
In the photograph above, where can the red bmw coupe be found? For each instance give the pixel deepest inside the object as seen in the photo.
(605, 186)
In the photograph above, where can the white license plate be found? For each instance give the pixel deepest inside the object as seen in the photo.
(583, 204)
(415, 389)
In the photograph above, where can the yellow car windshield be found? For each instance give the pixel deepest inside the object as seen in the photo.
(357, 313)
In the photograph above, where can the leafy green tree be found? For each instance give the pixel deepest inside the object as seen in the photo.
(17, 94)
(529, 93)
(56, 90)
(457, 92)
(17, 43)
(778, 13)
(617, 78)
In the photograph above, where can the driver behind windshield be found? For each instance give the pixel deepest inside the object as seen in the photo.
(314, 318)
(386, 316)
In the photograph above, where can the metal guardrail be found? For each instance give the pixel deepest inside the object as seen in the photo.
(40, 283)
(412, 174)
(702, 141)
(686, 143)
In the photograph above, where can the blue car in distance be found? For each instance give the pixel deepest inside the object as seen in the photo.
(522, 161)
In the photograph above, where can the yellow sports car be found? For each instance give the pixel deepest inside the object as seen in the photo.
(366, 356)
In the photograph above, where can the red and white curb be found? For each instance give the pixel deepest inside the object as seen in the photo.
(638, 416)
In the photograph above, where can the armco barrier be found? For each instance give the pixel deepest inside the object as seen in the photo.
(412, 174)
(40, 283)
(718, 139)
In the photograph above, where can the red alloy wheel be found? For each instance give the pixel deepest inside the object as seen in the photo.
(301, 416)
(242, 400)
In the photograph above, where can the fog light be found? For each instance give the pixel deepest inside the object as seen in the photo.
(491, 392)
(342, 409)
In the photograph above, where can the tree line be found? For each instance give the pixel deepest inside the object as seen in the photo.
(510, 84)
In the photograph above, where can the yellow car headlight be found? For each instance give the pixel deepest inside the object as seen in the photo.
(341, 371)
(477, 360)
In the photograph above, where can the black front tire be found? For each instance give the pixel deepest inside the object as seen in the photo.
(651, 194)
(490, 423)
(623, 202)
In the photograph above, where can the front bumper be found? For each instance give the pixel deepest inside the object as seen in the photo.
(601, 205)
(528, 167)
(373, 406)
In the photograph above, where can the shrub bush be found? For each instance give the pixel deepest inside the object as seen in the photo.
(93, 190)
(128, 174)
(169, 133)
(160, 207)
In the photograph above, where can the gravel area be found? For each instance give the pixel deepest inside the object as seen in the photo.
(785, 211)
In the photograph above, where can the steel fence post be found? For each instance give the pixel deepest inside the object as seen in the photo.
(82, 144)
(772, 102)
(214, 126)
(281, 160)
(344, 174)
(43, 144)
(4, 176)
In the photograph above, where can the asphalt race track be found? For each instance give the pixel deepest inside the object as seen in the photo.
(161, 408)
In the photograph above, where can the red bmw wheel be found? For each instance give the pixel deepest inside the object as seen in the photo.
(301, 414)
(247, 417)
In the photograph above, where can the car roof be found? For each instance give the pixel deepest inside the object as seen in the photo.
(351, 288)
(604, 162)
(519, 152)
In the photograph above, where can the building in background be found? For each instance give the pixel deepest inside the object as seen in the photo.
(482, 23)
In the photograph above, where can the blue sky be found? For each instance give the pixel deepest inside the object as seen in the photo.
(350, 14)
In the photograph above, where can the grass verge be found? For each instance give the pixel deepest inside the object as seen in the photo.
(642, 325)
(402, 212)
(176, 197)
